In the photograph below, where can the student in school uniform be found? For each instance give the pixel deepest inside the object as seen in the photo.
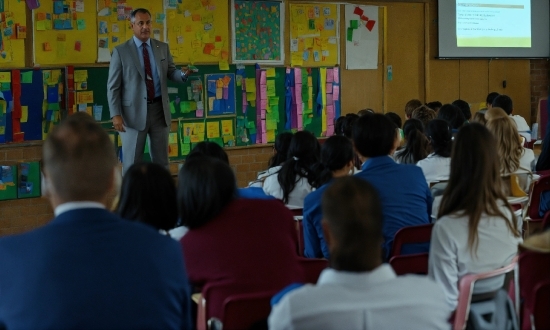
(405, 195)
(336, 161)
(505, 102)
(416, 143)
(280, 155)
(437, 166)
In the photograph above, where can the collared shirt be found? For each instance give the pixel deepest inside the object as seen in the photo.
(297, 195)
(366, 300)
(435, 168)
(69, 206)
(156, 78)
(315, 245)
(405, 196)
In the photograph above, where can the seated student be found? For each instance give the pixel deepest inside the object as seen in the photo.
(336, 161)
(292, 181)
(148, 195)
(434, 105)
(365, 111)
(358, 291)
(493, 113)
(395, 119)
(405, 195)
(437, 166)
(476, 230)
(452, 114)
(251, 243)
(489, 100)
(424, 114)
(410, 106)
(280, 153)
(465, 108)
(479, 118)
(416, 144)
(505, 102)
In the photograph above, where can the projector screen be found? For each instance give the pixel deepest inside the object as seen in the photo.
(494, 28)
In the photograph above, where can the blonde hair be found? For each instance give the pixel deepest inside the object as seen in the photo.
(509, 146)
(495, 113)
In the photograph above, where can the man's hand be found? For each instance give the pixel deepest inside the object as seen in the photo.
(186, 71)
(117, 124)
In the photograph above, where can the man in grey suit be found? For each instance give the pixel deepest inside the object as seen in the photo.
(138, 94)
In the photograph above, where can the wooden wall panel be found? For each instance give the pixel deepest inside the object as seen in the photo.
(474, 85)
(516, 74)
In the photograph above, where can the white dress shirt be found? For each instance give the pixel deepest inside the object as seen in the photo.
(69, 206)
(367, 300)
(435, 168)
(450, 258)
(297, 195)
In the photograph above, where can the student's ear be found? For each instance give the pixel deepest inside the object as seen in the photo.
(326, 233)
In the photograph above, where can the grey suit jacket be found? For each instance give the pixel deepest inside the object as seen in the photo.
(126, 89)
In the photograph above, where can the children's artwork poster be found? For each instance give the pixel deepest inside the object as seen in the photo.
(190, 102)
(8, 179)
(53, 98)
(220, 94)
(221, 131)
(190, 133)
(13, 32)
(28, 180)
(82, 98)
(198, 31)
(361, 37)
(113, 24)
(258, 33)
(314, 34)
(267, 105)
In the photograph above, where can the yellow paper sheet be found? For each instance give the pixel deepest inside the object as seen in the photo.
(213, 129)
(250, 85)
(270, 72)
(5, 77)
(323, 76)
(24, 113)
(227, 127)
(80, 75)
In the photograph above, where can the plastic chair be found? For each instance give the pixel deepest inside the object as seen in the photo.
(539, 318)
(533, 205)
(546, 221)
(410, 264)
(300, 234)
(313, 268)
(533, 269)
(466, 292)
(410, 235)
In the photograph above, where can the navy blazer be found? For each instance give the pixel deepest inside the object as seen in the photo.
(89, 269)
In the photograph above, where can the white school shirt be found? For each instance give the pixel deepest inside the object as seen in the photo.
(297, 195)
(366, 300)
(435, 168)
(523, 128)
(450, 257)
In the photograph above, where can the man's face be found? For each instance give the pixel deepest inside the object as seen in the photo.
(142, 26)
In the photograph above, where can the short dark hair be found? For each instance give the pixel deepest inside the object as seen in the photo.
(205, 186)
(374, 135)
(365, 111)
(79, 159)
(410, 106)
(336, 153)
(353, 212)
(464, 107)
(424, 114)
(434, 105)
(282, 143)
(210, 149)
(349, 121)
(440, 135)
(504, 102)
(491, 97)
(395, 118)
(451, 114)
(148, 195)
(141, 11)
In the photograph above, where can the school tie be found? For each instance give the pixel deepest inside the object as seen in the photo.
(148, 74)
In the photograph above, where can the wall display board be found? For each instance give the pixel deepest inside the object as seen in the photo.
(13, 31)
(314, 34)
(220, 94)
(62, 32)
(197, 31)
(258, 32)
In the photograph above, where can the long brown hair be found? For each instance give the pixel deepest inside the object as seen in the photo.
(475, 185)
(509, 146)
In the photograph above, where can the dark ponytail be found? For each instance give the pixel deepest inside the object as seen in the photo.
(282, 143)
(441, 136)
(417, 144)
(336, 153)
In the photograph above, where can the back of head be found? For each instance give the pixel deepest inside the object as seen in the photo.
(434, 105)
(479, 118)
(464, 107)
(148, 195)
(494, 113)
(417, 144)
(440, 134)
(352, 214)
(451, 114)
(79, 159)
(475, 185)
(509, 146)
(491, 97)
(339, 126)
(504, 102)
(336, 153)
(282, 143)
(210, 149)
(410, 106)
(366, 111)
(374, 135)
(424, 114)
(303, 154)
(205, 186)
(394, 118)
(349, 121)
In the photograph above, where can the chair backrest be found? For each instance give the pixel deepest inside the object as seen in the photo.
(313, 268)
(533, 269)
(409, 235)
(540, 319)
(241, 311)
(546, 221)
(297, 212)
(542, 117)
(438, 188)
(300, 234)
(410, 264)
(539, 186)
(466, 289)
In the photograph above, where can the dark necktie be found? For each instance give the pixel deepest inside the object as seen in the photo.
(148, 73)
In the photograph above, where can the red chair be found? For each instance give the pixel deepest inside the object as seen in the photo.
(300, 235)
(297, 212)
(540, 318)
(539, 186)
(410, 264)
(533, 269)
(542, 118)
(546, 220)
(466, 289)
(409, 235)
(313, 268)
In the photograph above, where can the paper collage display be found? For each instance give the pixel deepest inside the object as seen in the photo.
(219, 130)
(80, 98)
(361, 37)
(314, 34)
(20, 180)
(267, 105)
(113, 24)
(220, 94)
(8, 179)
(258, 32)
(13, 31)
(53, 96)
(191, 103)
(197, 31)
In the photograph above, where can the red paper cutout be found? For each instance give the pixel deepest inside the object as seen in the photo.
(370, 25)
(358, 11)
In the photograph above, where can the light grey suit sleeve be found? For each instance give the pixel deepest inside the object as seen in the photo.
(114, 84)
